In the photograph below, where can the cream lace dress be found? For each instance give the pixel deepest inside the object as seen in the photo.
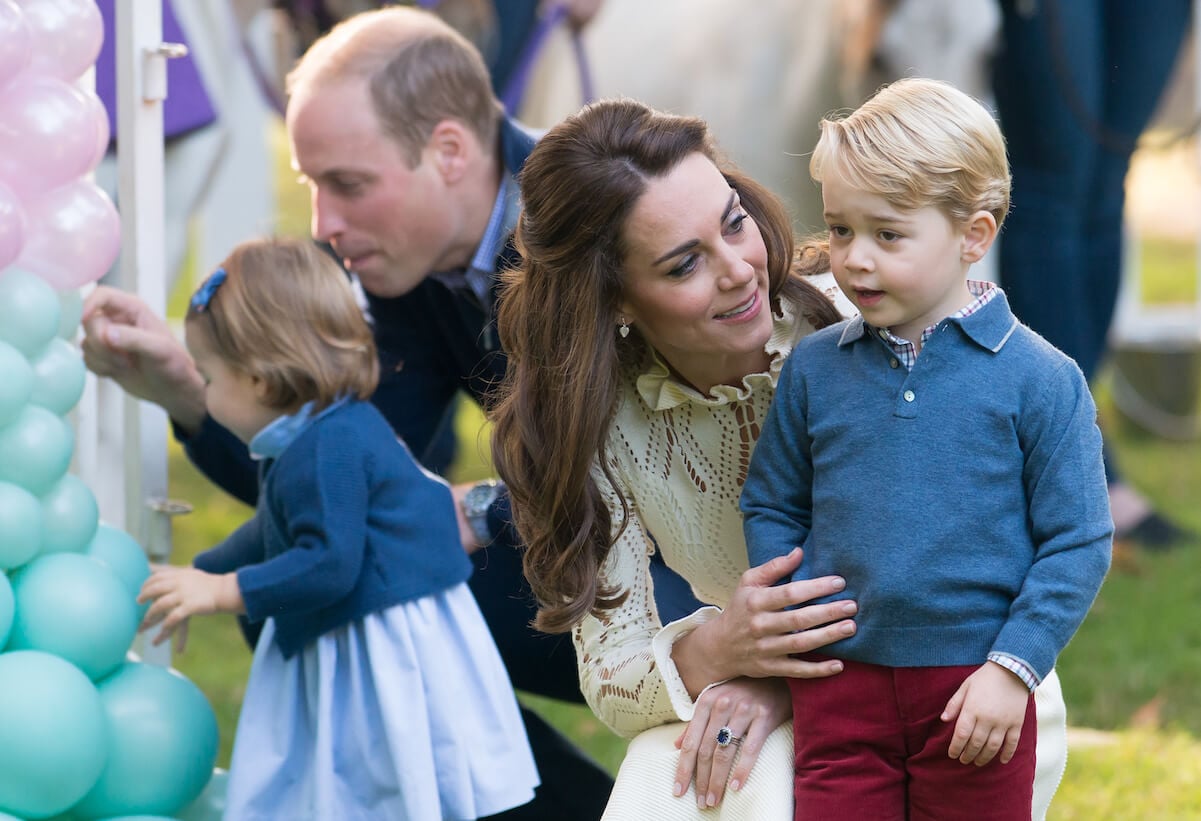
(680, 460)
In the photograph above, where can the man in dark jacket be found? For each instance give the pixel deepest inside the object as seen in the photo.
(411, 163)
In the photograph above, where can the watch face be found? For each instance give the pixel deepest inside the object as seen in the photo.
(478, 499)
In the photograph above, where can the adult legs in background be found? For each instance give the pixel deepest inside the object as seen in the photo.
(573, 785)
(1076, 83)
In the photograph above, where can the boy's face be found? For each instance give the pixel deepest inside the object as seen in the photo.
(903, 270)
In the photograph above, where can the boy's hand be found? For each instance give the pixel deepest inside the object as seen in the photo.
(180, 592)
(991, 706)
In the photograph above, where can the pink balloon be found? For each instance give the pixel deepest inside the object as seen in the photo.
(16, 43)
(12, 226)
(67, 35)
(49, 131)
(74, 235)
(100, 117)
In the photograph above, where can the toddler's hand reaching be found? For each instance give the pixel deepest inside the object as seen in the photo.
(990, 706)
(180, 592)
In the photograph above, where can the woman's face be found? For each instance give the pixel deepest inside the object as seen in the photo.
(695, 279)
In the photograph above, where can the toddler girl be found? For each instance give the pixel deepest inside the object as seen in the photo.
(376, 691)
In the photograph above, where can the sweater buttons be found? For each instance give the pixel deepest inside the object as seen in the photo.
(909, 396)
(893, 363)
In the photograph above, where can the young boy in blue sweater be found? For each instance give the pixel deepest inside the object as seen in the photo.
(941, 457)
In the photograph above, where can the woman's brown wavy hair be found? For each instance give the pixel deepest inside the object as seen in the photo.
(558, 320)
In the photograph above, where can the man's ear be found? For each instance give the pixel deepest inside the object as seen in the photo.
(979, 233)
(449, 149)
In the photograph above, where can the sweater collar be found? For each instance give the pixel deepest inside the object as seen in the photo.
(661, 391)
(990, 327)
(281, 432)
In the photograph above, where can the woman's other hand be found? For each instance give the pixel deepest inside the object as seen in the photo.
(750, 709)
(757, 634)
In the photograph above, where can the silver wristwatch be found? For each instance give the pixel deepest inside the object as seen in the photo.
(476, 504)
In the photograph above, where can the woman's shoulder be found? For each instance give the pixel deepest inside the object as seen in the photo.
(826, 283)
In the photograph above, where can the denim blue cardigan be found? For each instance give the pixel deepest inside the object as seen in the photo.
(347, 524)
(964, 501)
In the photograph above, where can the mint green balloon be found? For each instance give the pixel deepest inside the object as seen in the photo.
(210, 804)
(7, 609)
(22, 526)
(163, 744)
(122, 553)
(29, 311)
(71, 516)
(75, 607)
(71, 305)
(35, 449)
(16, 382)
(53, 734)
(58, 376)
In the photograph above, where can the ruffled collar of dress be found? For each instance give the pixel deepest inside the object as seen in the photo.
(662, 391)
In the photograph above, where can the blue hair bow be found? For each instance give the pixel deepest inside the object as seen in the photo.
(204, 294)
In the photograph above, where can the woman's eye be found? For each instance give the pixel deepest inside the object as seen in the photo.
(736, 223)
(684, 267)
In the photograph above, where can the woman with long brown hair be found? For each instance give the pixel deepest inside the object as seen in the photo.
(658, 297)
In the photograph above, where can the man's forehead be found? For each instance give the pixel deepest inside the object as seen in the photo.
(325, 138)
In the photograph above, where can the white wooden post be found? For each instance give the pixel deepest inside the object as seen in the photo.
(142, 442)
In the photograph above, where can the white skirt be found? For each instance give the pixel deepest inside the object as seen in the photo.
(405, 715)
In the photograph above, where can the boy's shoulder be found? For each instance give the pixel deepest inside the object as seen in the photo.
(829, 338)
(1038, 351)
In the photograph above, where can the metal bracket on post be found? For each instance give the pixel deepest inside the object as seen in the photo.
(158, 537)
(154, 69)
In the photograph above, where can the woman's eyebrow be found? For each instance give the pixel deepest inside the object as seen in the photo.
(682, 247)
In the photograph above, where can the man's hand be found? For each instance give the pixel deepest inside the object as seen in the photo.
(125, 341)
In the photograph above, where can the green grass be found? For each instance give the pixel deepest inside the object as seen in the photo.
(1133, 669)
(1135, 776)
(1170, 267)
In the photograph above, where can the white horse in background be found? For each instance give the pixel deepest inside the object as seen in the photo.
(763, 74)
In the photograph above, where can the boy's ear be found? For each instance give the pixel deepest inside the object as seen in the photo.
(979, 233)
(449, 148)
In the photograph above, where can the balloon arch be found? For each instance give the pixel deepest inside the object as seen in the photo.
(87, 729)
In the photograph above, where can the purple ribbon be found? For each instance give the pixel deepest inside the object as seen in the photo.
(515, 89)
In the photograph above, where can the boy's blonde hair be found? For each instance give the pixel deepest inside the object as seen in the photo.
(419, 71)
(287, 315)
(919, 143)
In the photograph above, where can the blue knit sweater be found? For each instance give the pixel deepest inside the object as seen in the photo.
(347, 524)
(963, 501)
